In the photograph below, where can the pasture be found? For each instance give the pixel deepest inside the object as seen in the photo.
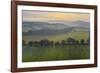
(69, 52)
(78, 35)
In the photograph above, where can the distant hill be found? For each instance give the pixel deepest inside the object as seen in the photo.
(42, 25)
(80, 24)
(45, 28)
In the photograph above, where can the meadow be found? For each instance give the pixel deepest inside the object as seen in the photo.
(78, 35)
(53, 53)
(70, 52)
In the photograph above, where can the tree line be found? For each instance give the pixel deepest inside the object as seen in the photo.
(47, 43)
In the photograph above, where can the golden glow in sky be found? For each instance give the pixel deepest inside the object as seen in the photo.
(54, 16)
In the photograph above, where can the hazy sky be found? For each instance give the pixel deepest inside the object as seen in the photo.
(54, 16)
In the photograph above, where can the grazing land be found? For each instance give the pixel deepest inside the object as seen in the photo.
(78, 35)
(52, 53)
(73, 52)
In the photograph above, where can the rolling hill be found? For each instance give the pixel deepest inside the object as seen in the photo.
(45, 28)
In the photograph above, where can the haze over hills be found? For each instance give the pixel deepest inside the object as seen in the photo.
(47, 28)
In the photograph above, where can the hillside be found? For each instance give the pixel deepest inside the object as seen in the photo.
(44, 28)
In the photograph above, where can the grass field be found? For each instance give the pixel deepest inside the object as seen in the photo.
(70, 52)
(76, 35)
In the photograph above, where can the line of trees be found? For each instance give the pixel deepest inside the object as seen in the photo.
(47, 43)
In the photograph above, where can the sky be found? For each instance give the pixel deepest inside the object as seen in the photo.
(47, 16)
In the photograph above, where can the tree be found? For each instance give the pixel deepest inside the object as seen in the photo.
(57, 43)
(41, 43)
(23, 42)
(88, 40)
(82, 41)
(44, 43)
(36, 43)
(77, 41)
(51, 43)
(70, 41)
(63, 43)
(30, 43)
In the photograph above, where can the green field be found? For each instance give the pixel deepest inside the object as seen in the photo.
(70, 52)
(52, 53)
(76, 35)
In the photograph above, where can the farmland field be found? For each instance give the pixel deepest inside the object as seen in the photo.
(78, 35)
(68, 52)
